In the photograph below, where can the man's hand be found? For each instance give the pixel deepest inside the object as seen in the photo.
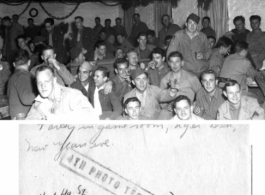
(229, 35)
(84, 51)
(197, 110)
(142, 65)
(54, 63)
(152, 64)
(199, 56)
(249, 80)
(108, 87)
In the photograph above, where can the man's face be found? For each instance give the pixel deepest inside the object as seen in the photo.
(45, 83)
(255, 24)
(49, 53)
(165, 20)
(15, 18)
(136, 18)
(30, 22)
(233, 94)
(120, 39)
(99, 79)
(133, 59)
(209, 82)
(191, 26)
(205, 23)
(239, 25)
(111, 39)
(211, 42)
(150, 38)
(48, 27)
(78, 23)
(141, 82)
(21, 43)
(142, 40)
(7, 23)
(32, 47)
(183, 110)
(118, 22)
(107, 23)
(225, 50)
(175, 64)
(83, 74)
(244, 53)
(102, 36)
(119, 53)
(102, 50)
(97, 21)
(158, 58)
(133, 110)
(122, 70)
(80, 58)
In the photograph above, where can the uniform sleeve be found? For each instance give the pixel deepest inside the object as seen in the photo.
(34, 113)
(195, 84)
(164, 82)
(205, 50)
(66, 76)
(258, 112)
(116, 106)
(174, 44)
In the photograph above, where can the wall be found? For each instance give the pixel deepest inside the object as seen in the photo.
(185, 8)
(88, 10)
(246, 8)
(147, 15)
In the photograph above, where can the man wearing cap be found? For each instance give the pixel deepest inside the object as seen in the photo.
(150, 96)
(77, 58)
(193, 46)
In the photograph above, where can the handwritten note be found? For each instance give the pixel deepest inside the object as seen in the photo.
(134, 159)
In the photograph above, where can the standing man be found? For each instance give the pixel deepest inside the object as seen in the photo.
(32, 30)
(22, 44)
(108, 29)
(54, 37)
(239, 32)
(98, 27)
(83, 37)
(16, 30)
(193, 45)
(137, 28)
(21, 87)
(207, 29)
(256, 41)
(167, 29)
(119, 29)
(238, 106)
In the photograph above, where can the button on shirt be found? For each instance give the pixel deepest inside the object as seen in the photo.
(141, 97)
(210, 105)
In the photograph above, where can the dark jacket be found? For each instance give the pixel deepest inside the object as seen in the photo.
(58, 42)
(78, 85)
(21, 92)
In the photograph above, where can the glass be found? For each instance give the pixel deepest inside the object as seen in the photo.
(20, 116)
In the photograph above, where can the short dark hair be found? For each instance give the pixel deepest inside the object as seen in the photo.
(209, 72)
(43, 68)
(21, 57)
(164, 16)
(21, 37)
(212, 37)
(239, 18)
(151, 32)
(207, 18)
(104, 70)
(79, 17)
(132, 50)
(230, 84)
(168, 37)
(47, 47)
(49, 20)
(175, 54)
(240, 45)
(120, 34)
(255, 17)
(102, 31)
(118, 18)
(132, 99)
(120, 61)
(99, 43)
(6, 18)
(158, 50)
(97, 18)
(30, 19)
(224, 42)
(111, 34)
(141, 34)
(179, 98)
(108, 20)
(136, 14)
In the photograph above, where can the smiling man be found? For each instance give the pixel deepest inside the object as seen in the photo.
(56, 102)
(193, 45)
(238, 106)
(209, 97)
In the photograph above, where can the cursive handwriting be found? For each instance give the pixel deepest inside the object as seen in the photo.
(94, 139)
(36, 148)
(57, 127)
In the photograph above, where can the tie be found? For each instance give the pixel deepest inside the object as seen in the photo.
(50, 39)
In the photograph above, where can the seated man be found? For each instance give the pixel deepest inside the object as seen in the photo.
(144, 50)
(238, 67)
(157, 68)
(121, 81)
(110, 43)
(209, 97)
(211, 42)
(21, 87)
(108, 106)
(238, 106)
(133, 57)
(150, 96)
(119, 53)
(56, 102)
(5, 73)
(183, 109)
(132, 107)
(77, 58)
(153, 40)
(63, 76)
(22, 43)
(124, 43)
(221, 49)
(101, 52)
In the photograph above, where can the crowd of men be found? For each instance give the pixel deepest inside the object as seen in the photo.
(183, 74)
